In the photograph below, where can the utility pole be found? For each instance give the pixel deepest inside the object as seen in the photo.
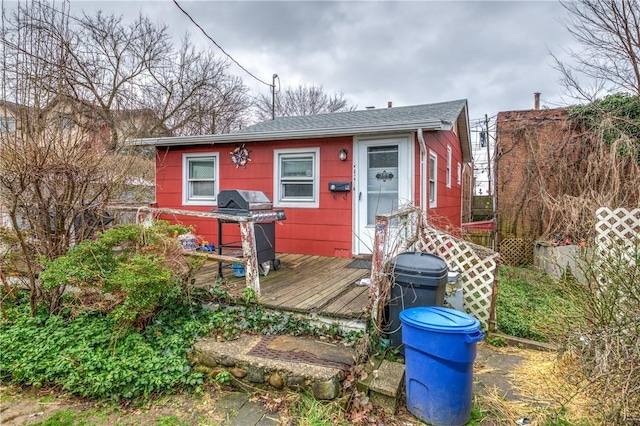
(273, 95)
(486, 127)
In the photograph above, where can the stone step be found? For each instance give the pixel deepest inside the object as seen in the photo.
(279, 362)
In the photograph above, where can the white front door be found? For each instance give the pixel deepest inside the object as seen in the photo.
(383, 176)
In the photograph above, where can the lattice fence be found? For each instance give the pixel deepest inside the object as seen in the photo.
(617, 225)
(516, 251)
(619, 229)
(476, 264)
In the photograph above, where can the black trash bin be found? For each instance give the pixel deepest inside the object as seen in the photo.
(419, 279)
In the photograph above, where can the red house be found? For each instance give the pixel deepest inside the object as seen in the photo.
(330, 173)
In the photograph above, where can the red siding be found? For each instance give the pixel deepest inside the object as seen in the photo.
(447, 214)
(324, 231)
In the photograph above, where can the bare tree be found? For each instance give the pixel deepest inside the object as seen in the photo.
(56, 177)
(119, 66)
(75, 89)
(609, 33)
(192, 92)
(302, 100)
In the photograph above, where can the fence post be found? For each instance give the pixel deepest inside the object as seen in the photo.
(377, 268)
(249, 253)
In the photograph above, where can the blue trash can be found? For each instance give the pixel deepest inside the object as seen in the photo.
(440, 347)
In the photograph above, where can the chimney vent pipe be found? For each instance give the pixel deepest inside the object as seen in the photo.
(389, 104)
(536, 102)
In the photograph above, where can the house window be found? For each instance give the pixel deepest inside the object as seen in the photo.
(7, 124)
(200, 182)
(296, 180)
(433, 179)
(448, 167)
(459, 174)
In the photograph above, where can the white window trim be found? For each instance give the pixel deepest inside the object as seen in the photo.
(449, 166)
(277, 202)
(212, 201)
(459, 174)
(433, 198)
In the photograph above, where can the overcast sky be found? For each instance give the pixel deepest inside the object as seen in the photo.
(494, 54)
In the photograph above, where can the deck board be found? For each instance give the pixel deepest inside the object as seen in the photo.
(304, 283)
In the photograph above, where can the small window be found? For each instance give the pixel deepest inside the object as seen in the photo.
(459, 173)
(200, 184)
(297, 177)
(7, 124)
(448, 167)
(433, 179)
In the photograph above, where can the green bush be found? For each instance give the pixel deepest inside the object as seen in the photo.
(93, 357)
(140, 267)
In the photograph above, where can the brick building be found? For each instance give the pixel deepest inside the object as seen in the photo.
(524, 141)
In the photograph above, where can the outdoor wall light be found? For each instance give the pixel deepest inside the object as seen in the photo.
(343, 154)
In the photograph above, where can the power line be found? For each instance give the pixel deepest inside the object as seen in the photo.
(218, 46)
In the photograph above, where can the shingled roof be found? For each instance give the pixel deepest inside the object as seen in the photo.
(443, 112)
(428, 117)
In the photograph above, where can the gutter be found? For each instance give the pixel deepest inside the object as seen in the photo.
(423, 169)
(287, 134)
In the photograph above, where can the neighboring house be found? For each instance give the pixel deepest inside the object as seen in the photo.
(88, 124)
(376, 161)
(9, 113)
(102, 129)
(9, 120)
(523, 138)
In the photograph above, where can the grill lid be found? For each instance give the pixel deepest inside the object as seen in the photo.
(237, 199)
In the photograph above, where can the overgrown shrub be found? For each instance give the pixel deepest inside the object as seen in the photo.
(605, 337)
(139, 268)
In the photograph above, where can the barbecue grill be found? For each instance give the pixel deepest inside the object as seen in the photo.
(254, 204)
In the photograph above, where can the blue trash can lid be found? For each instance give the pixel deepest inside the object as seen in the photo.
(440, 319)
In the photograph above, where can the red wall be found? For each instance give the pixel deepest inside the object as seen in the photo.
(323, 231)
(447, 214)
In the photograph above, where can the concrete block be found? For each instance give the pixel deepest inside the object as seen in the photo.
(386, 387)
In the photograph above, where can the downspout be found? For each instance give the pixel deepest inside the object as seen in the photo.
(423, 169)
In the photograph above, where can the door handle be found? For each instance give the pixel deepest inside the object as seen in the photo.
(359, 196)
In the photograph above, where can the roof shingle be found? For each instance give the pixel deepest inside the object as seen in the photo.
(447, 112)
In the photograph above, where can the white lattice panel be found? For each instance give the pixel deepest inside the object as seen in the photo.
(617, 224)
(618, 229)
(476, 264)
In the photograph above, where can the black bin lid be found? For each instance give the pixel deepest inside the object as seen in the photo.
(419, 264)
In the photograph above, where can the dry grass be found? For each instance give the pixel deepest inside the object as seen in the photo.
(545, 395)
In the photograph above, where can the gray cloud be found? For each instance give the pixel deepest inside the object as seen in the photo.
(495, 54)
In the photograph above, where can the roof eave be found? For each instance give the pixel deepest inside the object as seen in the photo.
(288, 134)
(464, 134)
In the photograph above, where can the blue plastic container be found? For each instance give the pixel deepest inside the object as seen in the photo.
(440, 347)
(238, 270)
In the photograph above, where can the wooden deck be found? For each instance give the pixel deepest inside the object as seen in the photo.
(306, 284)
